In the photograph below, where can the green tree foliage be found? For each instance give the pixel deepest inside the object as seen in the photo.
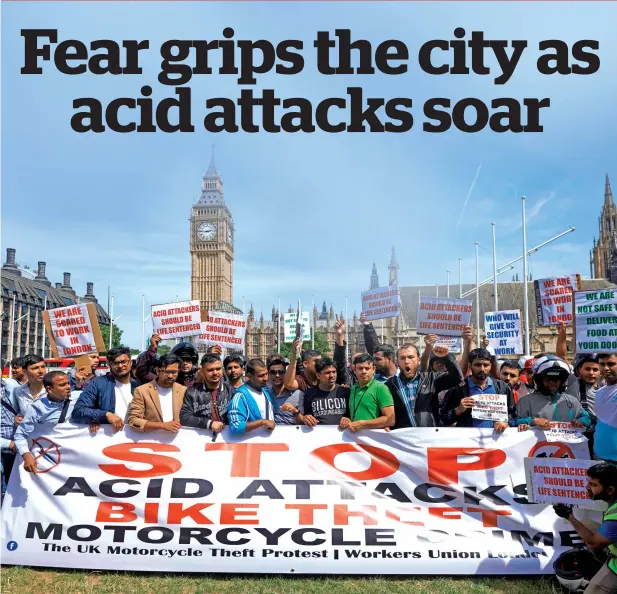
(321, 344)
(116, 339)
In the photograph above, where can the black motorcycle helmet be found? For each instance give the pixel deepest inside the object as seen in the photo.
(185, 350)
(575, 568)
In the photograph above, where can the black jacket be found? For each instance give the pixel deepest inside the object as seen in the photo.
(196, 410)
(426, 407)
(454, 396)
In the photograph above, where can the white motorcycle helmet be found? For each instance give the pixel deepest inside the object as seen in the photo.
(574, 569)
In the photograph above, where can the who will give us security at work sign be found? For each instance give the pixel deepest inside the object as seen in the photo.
(503, 331)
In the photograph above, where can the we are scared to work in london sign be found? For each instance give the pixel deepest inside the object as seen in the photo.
(415, 501)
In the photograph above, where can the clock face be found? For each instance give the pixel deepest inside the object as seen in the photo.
(206, 231)
(229, 236)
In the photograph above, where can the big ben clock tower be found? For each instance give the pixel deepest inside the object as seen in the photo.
(212, 247)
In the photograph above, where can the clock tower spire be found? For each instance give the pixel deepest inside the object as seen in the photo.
(211, 242)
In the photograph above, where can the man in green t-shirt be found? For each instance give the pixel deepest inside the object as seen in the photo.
(370, 403)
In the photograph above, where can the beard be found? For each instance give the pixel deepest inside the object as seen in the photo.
(481, 376)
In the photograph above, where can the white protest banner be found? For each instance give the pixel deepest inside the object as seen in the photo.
(74, 330)
(564, 433)
(503, 330)
(289, 324)
(228, 330)
(554, 299)
(490, 407)
(596, 321)
(454, 345)
(311, 501)
(176, 320)
(560, 480)
(381, 303)
(443, 316)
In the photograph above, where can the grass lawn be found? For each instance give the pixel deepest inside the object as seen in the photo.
(25, 580)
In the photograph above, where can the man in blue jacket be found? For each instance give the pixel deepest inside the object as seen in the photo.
(253, 405)
(107, 398)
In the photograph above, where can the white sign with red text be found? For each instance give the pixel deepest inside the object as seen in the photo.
(177, 320)
(490, 407)
(228, 330)
(554, 299)
(72, 330)
(307, 501)
(443, 316)
(560, 480)
(564, 433)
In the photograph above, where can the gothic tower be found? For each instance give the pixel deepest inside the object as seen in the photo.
(374, 279)
(604, 253)
(211, 243)
(393, 269)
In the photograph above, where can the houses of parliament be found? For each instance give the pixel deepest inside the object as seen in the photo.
(212, 235)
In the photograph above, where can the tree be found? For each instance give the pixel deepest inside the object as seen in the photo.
(163, 350)
(321, 344)
(116, 339)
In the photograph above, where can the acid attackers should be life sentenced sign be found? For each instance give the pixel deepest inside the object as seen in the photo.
(554, 299)
(443, 316)
(596, 321)
(228, 330)
(381, 303)
(74, 330)
(299, 500)
(289, 324)
(175, 320)
(560, 480)
(503, 331)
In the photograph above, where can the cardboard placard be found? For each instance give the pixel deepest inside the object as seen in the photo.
(73, 331)
(559, 480)
(381, 303)
(443, 316)
(554, 299)
(289, 324)
(177, 320)
(225, 329)
(595, 321)
(503, 331)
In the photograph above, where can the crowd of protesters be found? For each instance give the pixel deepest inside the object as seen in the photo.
(383, 388)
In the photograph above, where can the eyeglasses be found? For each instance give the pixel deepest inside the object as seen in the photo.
(277, 372)
(165, 372)
(121, 363)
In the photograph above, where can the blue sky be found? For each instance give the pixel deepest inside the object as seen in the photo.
(312, 211)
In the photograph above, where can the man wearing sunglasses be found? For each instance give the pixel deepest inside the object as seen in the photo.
(289, 401)
(107, 398)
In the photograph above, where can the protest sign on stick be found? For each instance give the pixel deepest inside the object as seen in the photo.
(381, 303)
(73, 331)
(177, 320)
(595, 321)
(225, 329)
(554, 299)
(559, 480)
(503, 331)
(443, 316)
(289, 324)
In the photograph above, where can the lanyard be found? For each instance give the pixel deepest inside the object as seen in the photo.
(353, 414)
(65, 408)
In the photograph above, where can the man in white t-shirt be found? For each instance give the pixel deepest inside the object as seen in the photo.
(156, 405)
(106, 399)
